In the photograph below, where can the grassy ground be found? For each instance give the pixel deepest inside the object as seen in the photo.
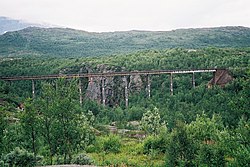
(130, 154)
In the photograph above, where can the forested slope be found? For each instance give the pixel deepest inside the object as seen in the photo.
(62, 42)
(193, 127)
(236, 60)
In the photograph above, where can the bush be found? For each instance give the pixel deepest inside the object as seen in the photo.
(135, 113)
(180, 149)
(156, 143)
(92, 148)
(210, 155)
(82, 159)
(20, 157)
(1, 164)
(112, 144)
(242, 156)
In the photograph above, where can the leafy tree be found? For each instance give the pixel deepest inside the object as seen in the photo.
(65, 126)
(29, 124)
(207, 133)
(46, 119)
(12, 137)
(181, 149)
(151, 122)
(3, 126)
(240, 145)
(204, 129)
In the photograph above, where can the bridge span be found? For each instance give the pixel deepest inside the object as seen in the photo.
(109, 74)
(124, 74)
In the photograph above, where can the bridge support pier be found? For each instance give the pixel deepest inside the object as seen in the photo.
(126, 91)
(90, 80)
(33, 89)
(149, 86)
(103, 91)
(193, 80)
(80, 88)
(171, 84)
(213, 81)
(80, 91)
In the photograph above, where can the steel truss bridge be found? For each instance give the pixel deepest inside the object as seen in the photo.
(148, 73)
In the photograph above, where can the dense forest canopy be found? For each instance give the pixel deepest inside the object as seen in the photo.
(198, 126)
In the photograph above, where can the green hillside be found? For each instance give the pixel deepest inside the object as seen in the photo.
(196, 126)
(61, 42)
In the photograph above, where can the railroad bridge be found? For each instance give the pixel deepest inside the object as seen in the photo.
(220, 77)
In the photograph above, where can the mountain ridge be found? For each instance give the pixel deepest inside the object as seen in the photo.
(7, 24)
(67, 42)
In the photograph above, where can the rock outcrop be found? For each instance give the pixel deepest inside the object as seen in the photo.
(106, 90)
(135, 83)
(221, 78)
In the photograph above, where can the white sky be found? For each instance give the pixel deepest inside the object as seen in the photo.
(120, 15)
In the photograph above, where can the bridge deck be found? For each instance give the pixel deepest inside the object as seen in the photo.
(86, 75)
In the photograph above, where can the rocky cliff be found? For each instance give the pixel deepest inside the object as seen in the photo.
(106, 90)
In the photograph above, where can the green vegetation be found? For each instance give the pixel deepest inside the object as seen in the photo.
(150, 122)
(59, 42)
(20, 157)
(111, 144)
(194, 127)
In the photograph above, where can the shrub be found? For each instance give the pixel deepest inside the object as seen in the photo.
(135, 113)
(242, 156)
(20, 157)
(1, 164)
(92, 148)
(210, 155)
(82, 159)
(156, 143)
(112, 144)
(180, 149)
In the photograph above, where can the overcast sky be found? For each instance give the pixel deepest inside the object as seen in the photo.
(120, 15)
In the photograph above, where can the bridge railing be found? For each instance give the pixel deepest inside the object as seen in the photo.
(110, 74)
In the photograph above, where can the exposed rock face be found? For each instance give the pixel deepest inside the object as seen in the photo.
(106, 90)
(109, 90)
(103, 89)
(93, 91)
(221, 78)
(113, 86)
(135, 83)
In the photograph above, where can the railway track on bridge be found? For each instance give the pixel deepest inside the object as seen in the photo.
(123, 74)
(88, 75)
